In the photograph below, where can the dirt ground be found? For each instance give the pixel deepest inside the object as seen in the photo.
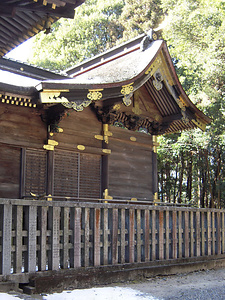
(207, 285)
(201, 285)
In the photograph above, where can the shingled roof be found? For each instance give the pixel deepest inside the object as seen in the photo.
(139, 79)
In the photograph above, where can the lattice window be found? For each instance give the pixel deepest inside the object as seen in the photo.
(66, 168)
(77, 175)
(90, 175)
(35, 172)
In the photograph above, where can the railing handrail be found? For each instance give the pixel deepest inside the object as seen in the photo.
(102, 203)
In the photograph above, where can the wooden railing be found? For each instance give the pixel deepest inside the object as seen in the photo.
(45, 235)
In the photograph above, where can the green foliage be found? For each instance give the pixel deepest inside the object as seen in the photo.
(94, 29)
(139, 16)
(194, 35)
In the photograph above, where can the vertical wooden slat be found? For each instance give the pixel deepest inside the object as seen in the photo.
(77, 237)
(191, 233)
(86, 236)
(180, 232)
(65, 255)
(213, 234)
(138, 235)
(203, 233)
(186, 234)
(161, 235)
(122, 236)
(105, 237)
(223, 233)
(43, 228)
(55, 258)
(174, 234)
(153, 231)
(97, 237)
(147, 245)
(19, 239)
(131, 236)
(197, 230)
(6, 239)
(167, 244)
(209, 252)
(218, 233)
(32, 237)
(115, 236)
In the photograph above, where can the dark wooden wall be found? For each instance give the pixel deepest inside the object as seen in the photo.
(19, 127)
(130, 164)
(79, 128)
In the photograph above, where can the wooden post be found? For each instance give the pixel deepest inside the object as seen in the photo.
(105, 237)
(218, 233)
(97, 237)
(77, 237)
(174, 234)
(147, 245)
(209, 239)
(153, 231)
(197, 230)
(115, 236)
(32, 237)
(122, 236)
(54, 223)
(186, 234)
(131, 236)
(19, 239)
(161, 235)
(65, 254)
(43, 242)
(167, 229)
(138, 235)
(154, 169)
(6, 239)
(86, 236)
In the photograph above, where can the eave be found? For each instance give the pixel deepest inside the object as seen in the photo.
(20, 20)
(129, 77)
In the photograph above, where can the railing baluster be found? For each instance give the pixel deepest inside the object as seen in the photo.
(97, 237)
(161, 235)
(77, 237)
(105, 237)
(115, 236)
(122, 236)
(131, 236)
(138, 235)
(19, 239)
(43, 237)
(32, 238)
(6, 238)
(147, 245)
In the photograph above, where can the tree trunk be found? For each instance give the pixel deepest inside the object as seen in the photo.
(181, 175)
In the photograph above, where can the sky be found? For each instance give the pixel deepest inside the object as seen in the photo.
(21, 52)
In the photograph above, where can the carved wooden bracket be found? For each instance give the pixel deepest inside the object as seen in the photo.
(130, 121)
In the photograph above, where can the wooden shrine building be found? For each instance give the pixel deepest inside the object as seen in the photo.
(78, 164)
(91, 133)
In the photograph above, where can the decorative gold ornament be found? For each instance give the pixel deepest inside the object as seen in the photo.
(106, 151)
(94, 95)
(116, 107)
(199, 123)
(52, 97)
(77, 105)
(81, 147)
(127, 89)
(154, 66)
(133, 139)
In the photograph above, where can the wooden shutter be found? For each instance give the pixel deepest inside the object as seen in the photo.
(66, 166)
(90, 175)
(35, 172)
(76, 175)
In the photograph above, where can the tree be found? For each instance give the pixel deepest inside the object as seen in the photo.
(94, 29)
(193, 34)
